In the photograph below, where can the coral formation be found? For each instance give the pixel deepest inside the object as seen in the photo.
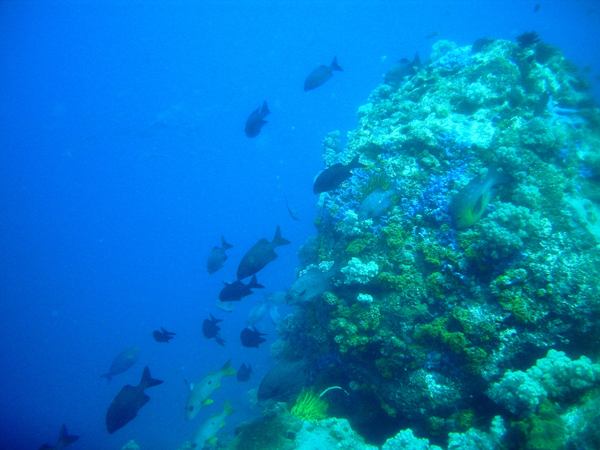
(424, 318)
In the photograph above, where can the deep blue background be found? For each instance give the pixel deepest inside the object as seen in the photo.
(123, 159)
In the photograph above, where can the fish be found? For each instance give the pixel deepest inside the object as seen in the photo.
(432, 34)
(256, 120)
(292, 211)
(219, 340)
(311, 285)
(123, 361)
(128, 402)
(251, 338)
(201, 391)
(257, 313)
(536, 8)
(332, 177)
(283, 379)
(542, 104)
(64, 439)
(243, 373)
(320, 75)
(275, 316)
(205, 434)
(217, 257)
(376, 203)
(261, 254)
(276, 298)
(469, 204)
(224, 306)
(163, 335)
(210, 327)
(234, 292)
(480, 44)
(401, 70)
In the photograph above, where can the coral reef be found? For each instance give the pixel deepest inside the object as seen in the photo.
(423, 319)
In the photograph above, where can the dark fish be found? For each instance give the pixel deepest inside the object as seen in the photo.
(432, 34)
(243, 373)
(542, 104)
(217, 257)
(122, 362)
(251, 338)
(163, 336)
(234, 292)
(332, 177)
(401, 70)
(261, 254)
(480, 44)
(283, 380)
(537, 8)
(220, 340)
(63, 440)
(470, 202)
(320, 75)
(128, 402)
(256, 120)
(291, 210)
(210, 327)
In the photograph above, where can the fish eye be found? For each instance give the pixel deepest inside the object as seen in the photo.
(191, 408)
(210, 382)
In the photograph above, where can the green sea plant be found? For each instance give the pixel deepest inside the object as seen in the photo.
(309, 405)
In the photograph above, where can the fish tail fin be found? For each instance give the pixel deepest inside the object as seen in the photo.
(147, 381)
(213, 319)
(224, 244)
(334, 65)
(228, 409)
(417, 60)
(355, 163)
(226, 366)
(278, 240)
(108, 376)
(264, 110)
(254, 283)
(66, 439)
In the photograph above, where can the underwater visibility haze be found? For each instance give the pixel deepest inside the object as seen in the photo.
(400, 254)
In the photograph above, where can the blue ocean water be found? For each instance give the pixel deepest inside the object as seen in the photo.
(123, 159)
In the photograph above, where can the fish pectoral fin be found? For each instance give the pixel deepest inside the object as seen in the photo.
(222, 424)
(212, 440)
(207, 402)
(477, 208)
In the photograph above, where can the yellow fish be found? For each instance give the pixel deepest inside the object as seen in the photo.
(200, 392)
(207, 431)
(470, 202)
